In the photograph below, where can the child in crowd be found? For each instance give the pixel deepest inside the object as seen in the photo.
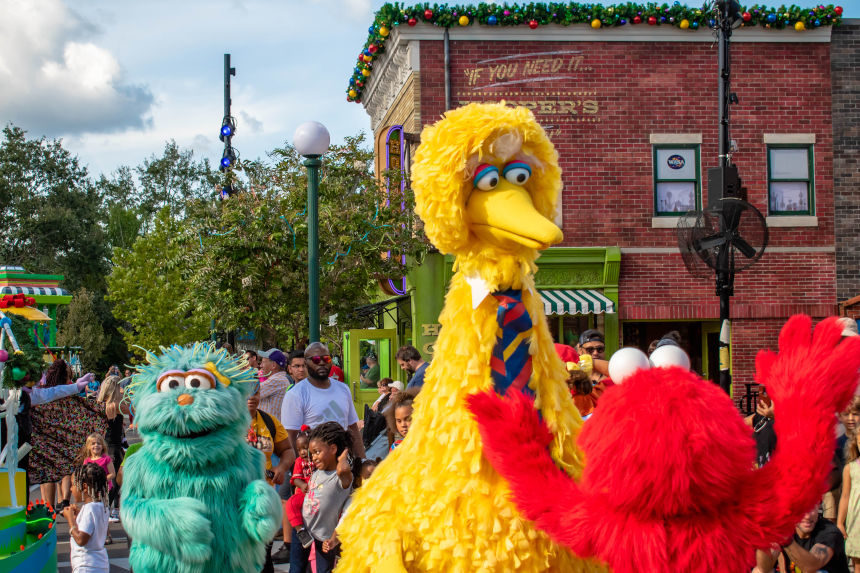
(88, 522)
(94, 451)
(367, 469)
(848, 518)
(302, 471)
(399, 416)
(328, 491)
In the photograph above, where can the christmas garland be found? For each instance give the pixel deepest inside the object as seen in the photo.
(535, 15)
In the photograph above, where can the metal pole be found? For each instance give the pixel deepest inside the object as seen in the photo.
(724, 279)
(228, 71)
(313, 163)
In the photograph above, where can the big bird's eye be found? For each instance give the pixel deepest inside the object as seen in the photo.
(517, 172)
(168, 381)
(486, 177)
(199, 379)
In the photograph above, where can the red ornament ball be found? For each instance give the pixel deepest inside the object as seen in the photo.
(747, 16)
(428, 14)
(652, 20)
(838, 10)
(412, 21)
(637, 20)
(372, 48)
(533, 24)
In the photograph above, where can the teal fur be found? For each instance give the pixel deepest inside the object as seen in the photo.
(196, 504)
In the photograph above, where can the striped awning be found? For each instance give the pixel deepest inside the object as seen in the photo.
(34, 291)
(580, 301)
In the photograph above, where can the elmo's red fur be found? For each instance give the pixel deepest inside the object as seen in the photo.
(669, 482)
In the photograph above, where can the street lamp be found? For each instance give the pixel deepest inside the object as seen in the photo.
(311, 140)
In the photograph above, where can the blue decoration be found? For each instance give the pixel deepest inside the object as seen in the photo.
(226, 131)
(711, 23)
(817, 23)
(771, 18)
(622, 21)
(371, 30)
(694, 25)
(492, 20)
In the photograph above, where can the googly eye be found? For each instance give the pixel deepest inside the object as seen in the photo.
(199, 379)
(486, 177)
(517, 172)
(170, 381)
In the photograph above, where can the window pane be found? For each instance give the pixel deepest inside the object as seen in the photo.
(789, 196)
(789, 163)
(676, 163)
(676, 197)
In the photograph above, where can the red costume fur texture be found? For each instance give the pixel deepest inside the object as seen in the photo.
(669, 483)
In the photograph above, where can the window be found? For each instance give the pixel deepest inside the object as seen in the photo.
(677, 182)
(789, 180)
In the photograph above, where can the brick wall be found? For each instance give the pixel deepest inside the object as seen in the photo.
(846, 156)
(601, 106)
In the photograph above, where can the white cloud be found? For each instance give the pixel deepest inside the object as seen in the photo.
(56, 81)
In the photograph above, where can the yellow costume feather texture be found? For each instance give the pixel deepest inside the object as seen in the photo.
(435, 503)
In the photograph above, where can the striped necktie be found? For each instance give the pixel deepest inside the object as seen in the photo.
(511, 363)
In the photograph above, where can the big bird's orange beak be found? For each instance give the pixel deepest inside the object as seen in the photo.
(507, 215)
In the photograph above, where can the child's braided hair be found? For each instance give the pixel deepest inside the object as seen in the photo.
(95, 478)
(333, 433)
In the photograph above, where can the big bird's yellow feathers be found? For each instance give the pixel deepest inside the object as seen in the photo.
(435, 504)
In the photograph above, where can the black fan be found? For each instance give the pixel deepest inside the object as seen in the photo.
(727, 238)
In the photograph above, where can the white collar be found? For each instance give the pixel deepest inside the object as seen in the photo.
(480, 289)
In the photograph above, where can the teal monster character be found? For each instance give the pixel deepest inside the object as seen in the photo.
(194, 498)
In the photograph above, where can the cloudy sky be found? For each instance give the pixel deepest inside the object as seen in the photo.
(115, 79)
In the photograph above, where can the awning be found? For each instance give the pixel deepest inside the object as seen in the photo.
(34, 291)
(579, 301)
(29, 313)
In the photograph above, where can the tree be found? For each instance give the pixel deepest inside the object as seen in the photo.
(146, 288)
(83, 328)
(247, 258)
(51, 217)
(171, 181)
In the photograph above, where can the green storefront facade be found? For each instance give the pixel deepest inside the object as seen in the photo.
(578, 285)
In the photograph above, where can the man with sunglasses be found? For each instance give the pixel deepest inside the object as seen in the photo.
(319, 398)
(591, 342)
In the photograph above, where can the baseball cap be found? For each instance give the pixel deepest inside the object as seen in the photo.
(275, 356)
(396, 384)
(849, 326)
(591, 335)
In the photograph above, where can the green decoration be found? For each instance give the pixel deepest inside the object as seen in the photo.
(536, 15)
(25, 366)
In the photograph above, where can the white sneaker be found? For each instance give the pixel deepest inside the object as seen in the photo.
(114, 517)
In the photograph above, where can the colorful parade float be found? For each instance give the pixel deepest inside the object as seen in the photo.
(28, 541)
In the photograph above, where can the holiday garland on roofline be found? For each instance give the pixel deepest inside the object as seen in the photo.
(535, 15)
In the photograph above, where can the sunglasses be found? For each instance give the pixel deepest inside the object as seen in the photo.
(592, 349)
(319, 359)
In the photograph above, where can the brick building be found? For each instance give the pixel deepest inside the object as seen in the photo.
(633, 113)
(845, 54)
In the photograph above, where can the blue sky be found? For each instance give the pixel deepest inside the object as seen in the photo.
(116, 79)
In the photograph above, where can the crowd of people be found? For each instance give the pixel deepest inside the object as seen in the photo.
(318, 451)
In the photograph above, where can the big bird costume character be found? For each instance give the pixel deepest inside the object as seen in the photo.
(486, 182)
(194, 498)
(670, 483)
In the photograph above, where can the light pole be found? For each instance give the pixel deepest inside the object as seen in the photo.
(312, 140)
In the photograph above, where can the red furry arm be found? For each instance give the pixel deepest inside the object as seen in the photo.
(516, 443)
(812, 378)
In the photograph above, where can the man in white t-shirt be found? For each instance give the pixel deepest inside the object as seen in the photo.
(319, 398)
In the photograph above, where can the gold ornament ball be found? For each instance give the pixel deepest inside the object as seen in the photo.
(464, 20)
(365, 72)
(595, 23)
(800, 26)
(353, 93)
(685, 24)
(383, 31)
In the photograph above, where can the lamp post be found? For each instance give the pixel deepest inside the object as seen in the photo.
(312, 140)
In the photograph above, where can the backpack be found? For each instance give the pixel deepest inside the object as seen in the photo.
(270, 424)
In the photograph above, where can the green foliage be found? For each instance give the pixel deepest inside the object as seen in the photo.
(247, 257)
(83, 328)
(51, 216)
(147, 288)
(30, 361)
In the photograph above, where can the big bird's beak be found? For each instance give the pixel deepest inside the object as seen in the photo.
(507, 214)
